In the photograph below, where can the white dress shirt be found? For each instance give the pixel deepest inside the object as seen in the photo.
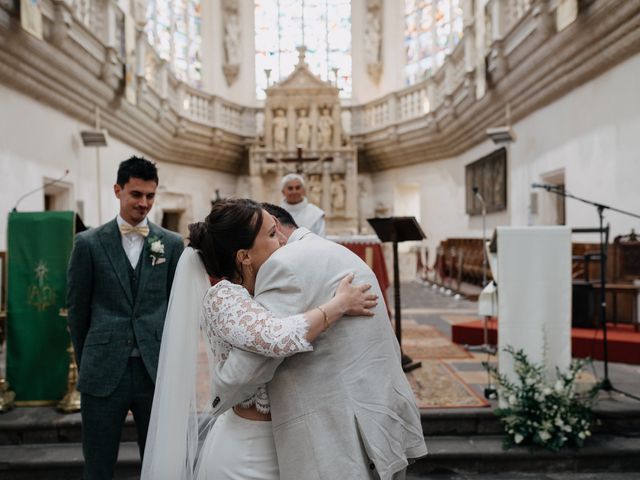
(132, 242)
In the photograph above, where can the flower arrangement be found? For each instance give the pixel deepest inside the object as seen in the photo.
(156, 248)
(540, 413)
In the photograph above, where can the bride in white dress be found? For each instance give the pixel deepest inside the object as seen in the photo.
(229, 247)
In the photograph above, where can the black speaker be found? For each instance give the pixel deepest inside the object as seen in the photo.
(583, 305)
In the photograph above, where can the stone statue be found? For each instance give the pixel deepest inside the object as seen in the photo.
(372, 37)
(303, 129)
(232, 39)
(280, 130)
(325, 128)
(314, 189)
(338, 193)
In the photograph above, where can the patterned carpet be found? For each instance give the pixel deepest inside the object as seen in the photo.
(436, 385)
(427, 342)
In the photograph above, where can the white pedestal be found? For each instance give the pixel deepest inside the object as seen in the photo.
(534, 301)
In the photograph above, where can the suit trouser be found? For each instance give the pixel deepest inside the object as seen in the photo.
(103, 419)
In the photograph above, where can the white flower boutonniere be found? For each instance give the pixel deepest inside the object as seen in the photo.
(157, 251)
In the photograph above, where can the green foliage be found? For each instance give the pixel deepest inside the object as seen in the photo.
(540, 413)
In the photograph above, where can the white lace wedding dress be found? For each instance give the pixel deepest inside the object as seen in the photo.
(236, 448)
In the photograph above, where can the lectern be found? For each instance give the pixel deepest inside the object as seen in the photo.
(396, 230)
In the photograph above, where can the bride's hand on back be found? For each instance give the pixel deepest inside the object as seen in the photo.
(355, 299)
(352, 300)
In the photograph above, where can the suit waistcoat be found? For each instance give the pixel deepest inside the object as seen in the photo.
(134, 280)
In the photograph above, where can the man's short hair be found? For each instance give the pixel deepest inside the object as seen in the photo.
(136, 167)
(289, 177)
(281, 214)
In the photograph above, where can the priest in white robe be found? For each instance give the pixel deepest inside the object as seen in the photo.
(295, 202)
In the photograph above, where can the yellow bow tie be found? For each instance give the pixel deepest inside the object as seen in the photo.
(142, 230)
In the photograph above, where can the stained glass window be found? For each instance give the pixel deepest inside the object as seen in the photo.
(173, 28)
(323, 26)
(432, 29)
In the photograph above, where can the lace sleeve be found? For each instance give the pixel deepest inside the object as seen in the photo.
(233, 315)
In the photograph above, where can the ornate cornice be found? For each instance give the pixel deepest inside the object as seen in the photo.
(76, 69)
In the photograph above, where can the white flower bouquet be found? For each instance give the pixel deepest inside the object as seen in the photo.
(539, 413)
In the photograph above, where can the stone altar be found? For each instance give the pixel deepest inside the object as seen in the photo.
(303, 134)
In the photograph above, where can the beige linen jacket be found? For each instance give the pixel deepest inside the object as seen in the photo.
(344, 410)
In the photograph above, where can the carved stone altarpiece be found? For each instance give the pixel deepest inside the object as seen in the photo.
(303, 134)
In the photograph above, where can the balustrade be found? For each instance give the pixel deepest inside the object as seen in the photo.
(105, 20)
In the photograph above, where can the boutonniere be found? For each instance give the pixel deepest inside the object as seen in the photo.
(157, 251)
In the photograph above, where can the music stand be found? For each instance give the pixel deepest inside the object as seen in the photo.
(396, 230)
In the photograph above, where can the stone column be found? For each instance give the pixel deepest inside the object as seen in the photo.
(268, 127)
(351, 185)
(256, 183)
(313, 119)
(326, 188)
(291, 128)
(337, 126)
(141, 52)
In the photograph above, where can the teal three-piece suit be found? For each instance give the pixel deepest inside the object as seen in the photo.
(116, 317)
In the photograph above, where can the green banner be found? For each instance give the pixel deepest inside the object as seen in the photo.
(39, 245)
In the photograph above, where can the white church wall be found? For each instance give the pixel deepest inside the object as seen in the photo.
(242, 89)
(442, 196)
(591, 134)
(393, 59)
(39, 143)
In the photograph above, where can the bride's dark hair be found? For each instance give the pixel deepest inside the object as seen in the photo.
(232, 225)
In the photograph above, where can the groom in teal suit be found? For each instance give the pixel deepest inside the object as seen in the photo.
(119, 281)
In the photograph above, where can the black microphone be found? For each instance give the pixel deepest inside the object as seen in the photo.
(475, 190)
(546, 186)
(15, 208)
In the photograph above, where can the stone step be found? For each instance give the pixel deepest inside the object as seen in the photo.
(27, 426)
(33, 425)
(448, 454)
(485, 453)
(60, 461)
(482, 421)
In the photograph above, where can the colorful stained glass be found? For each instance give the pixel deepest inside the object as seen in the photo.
(173, 28)
(323, 26)
(432, 30)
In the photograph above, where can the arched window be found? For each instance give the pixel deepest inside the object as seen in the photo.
(173, 28)
(323, 26)
(432, 29)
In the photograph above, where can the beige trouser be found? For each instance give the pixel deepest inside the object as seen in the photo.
(398, 476)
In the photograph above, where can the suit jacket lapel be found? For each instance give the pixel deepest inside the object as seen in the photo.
(112, 244)
(147, 267)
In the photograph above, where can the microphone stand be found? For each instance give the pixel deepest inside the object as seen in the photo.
(605, 384)
(50, 182)
(485, 347)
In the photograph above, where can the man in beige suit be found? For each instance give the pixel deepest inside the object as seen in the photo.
(345, 410)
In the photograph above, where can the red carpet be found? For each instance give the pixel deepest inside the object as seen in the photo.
(623, 340)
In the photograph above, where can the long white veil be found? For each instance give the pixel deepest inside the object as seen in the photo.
(172, 440)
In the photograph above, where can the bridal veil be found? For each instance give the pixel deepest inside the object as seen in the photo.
(175, 427)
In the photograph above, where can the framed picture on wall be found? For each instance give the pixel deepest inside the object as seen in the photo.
(489, 175)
